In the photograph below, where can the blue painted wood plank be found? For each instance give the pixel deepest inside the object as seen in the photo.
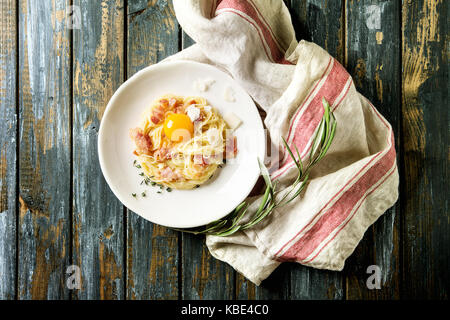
(373, 59)
(425, 87)
(8, 144)
(44, 157)
(98, 216)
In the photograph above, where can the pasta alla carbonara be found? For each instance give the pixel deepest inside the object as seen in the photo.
(181, 141)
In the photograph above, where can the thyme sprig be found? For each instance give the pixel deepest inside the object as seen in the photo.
(274, 198)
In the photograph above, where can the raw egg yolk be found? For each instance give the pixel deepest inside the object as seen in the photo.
(178, 127)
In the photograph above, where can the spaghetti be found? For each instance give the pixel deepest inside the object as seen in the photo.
(181, 141)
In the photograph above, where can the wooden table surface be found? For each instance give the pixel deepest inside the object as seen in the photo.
(56, 209)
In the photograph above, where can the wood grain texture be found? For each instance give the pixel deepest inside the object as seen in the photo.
(275, 287)
(203, 276)
(98, 230)
(44, 157)
(373, 60)
(397, 53)
(8, 160)
(425, 83)
(321, 22)
(152, 250)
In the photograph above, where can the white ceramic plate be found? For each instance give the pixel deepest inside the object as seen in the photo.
(179, 208)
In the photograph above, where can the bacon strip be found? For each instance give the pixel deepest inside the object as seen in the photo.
(164, 103)
(179, 109)
(142, 141)
(173, 103)
(204, 161)
(158, 113)
(198, 159)
(162, 154)
(170, 175)
(230, 147)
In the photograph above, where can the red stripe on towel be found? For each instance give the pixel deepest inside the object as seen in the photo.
(353, 214)
(320, 211)
(337, 214)
(303, 128)
(263, 31)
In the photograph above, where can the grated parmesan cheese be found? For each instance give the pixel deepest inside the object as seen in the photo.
(232, 120)
(229, 95)
(203, 85)
(193, 112)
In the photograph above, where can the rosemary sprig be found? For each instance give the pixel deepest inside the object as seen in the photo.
(272, 197)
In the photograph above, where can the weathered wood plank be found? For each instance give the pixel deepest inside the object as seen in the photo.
(44, 158)
(8, 159)
(426, 223)
(203, 277)
(314, 284)
(152, 250)
(275, 287)
(98, 229)
(373, 59)
(321, 22)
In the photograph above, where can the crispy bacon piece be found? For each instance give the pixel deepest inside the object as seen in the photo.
(204, 161)
(189, 102)
(173, 103)
(179, 109)
(142, 141)
(200, 118)
(230, 147)
(162, 154)
(171, 175)
(164, 103)
(155, 119)
(200, 160)
(158, 113)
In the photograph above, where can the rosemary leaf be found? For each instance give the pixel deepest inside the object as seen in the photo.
(274, 198)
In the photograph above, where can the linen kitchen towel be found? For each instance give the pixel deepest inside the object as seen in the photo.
(356, 182)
